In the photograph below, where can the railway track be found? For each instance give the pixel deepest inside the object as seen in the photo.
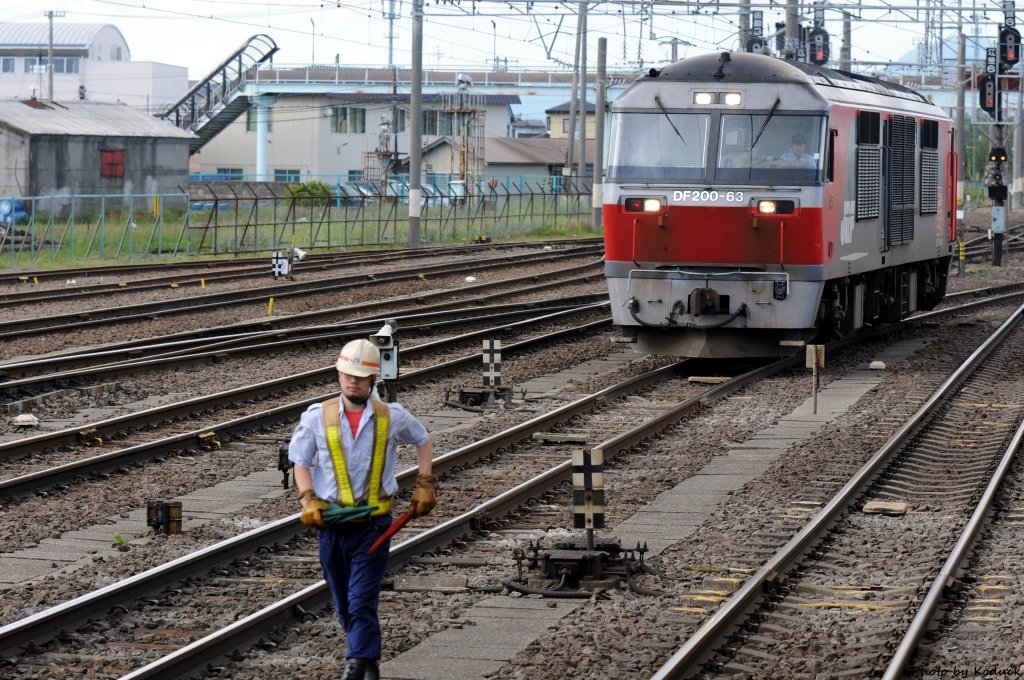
(63, 323)
(103, 436)
(662, 406)
(525, 472)
(853, 565)
(155, 276)
(297, 568)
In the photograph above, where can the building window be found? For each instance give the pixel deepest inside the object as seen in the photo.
(38, 65)
(286, 175)
(6, 64)
(250, 119)
(355, 175)
(230, 173)
(65, 64)
(565, 125)
(429, 122)
(445, 123)
(347, 119)
(112, 163)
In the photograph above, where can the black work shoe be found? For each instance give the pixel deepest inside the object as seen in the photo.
(355, 669)
(372, 672)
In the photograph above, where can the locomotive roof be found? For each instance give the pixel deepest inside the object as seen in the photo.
(744, 67)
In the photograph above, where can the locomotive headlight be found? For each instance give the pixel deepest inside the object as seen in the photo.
(732, 98)
(703, 98)
(771, 206)
(647, 205)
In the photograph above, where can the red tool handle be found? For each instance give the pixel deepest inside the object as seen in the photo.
(391, 531)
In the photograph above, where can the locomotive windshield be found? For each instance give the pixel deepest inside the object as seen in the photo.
(775, 149)
(658, 145)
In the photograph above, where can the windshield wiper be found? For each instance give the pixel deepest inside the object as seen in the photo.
(764, 124)
(657, 100)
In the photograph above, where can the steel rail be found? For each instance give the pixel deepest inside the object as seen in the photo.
(210, 436)
(152, 310)
(270, 326)
(47, 623)
(684, 661)
(957, 556)
(22, 277)
(248, 629)
(275, 341)
(252, 271)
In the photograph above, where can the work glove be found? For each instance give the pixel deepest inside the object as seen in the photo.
(423, 496)
(312, 507)
(337, 514)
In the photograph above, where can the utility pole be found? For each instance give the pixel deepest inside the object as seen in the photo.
(394, 84)
(961, 142)
(597, 192)
(792, 29)
(415, 134)
(583, 98)
(846, 48)
(50, 14)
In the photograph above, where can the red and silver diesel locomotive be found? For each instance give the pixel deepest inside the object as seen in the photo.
(753, 204)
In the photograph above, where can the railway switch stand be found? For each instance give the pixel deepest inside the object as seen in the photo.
(578, 567)
(492, 391)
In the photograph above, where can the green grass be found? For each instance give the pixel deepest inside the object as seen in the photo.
(120, 236)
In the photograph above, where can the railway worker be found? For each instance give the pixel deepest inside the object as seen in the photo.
(796, 152)
(345, 452)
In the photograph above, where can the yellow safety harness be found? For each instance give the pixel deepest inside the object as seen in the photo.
(332, 428)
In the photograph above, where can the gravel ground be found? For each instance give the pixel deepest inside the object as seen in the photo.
(623, 636)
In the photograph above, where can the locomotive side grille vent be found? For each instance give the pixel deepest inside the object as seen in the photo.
(929, 181)
(903, 143)
(869, 174)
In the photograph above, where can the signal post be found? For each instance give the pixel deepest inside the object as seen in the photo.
(997, 64)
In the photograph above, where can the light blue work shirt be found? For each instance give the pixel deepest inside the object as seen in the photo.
(308, 448)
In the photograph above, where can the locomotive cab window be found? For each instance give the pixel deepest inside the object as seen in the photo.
(658, 146)
(772, 149)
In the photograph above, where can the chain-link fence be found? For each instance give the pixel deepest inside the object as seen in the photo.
(235, 218)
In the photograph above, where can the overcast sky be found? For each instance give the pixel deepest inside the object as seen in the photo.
(199, 34)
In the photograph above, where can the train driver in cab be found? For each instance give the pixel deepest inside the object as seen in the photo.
(798, 151)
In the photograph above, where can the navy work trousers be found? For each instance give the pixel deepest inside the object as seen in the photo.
(354, 578)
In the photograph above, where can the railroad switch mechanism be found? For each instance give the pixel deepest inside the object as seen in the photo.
(579, 567)
(164, 517)
(492, 392)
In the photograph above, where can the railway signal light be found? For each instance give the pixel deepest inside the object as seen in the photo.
(997, 154)
(1009, 46)
(819, 46)
(988, 93)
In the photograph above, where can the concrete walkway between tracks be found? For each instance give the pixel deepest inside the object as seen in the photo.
(499, 627)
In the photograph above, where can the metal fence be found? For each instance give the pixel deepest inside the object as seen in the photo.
(235, 218)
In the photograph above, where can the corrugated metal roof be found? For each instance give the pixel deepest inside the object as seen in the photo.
(89, 119)
(65, 35)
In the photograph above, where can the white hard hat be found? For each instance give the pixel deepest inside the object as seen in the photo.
(359, 358)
